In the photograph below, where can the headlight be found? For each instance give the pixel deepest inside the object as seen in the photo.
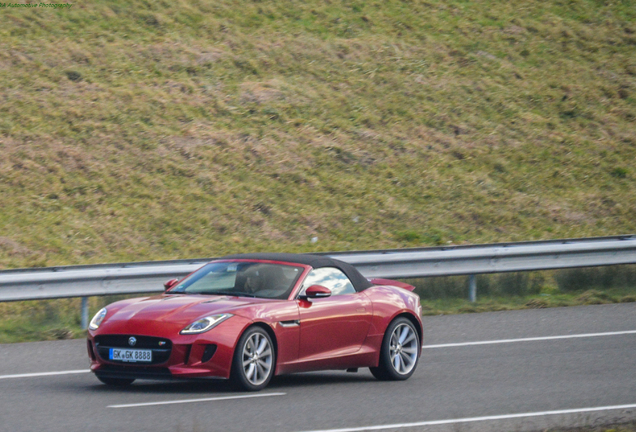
(205, 324)
(97, 319)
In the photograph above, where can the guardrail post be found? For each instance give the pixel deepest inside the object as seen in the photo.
(472, 285)
(84, 313)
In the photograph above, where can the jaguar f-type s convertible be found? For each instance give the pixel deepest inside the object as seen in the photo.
(252, 316)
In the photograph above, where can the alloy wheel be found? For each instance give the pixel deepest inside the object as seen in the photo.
(403, 349)
(257, 358)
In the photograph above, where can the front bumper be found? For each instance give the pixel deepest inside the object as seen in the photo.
(207, 355)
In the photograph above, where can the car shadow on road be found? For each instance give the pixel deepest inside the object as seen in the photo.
(168, 387)
(279, 383)
(317, 378)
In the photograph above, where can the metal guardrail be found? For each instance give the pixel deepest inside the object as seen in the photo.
(494, 258)
(148, 277)
(98, 280)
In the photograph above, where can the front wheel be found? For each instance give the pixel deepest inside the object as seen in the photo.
(399, 353)
(254, 360)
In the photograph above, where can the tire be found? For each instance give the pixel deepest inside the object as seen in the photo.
(118, 382)
(254, 360)
(398, 360)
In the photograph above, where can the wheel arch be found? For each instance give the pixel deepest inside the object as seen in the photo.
(236, 380)
(268, 330)
(414, 321)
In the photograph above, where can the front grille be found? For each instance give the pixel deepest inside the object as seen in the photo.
(121, 341)
(160, 347)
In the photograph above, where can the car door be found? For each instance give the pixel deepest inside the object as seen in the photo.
(335, 325)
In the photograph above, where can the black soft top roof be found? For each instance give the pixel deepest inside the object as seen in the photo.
(316, 261)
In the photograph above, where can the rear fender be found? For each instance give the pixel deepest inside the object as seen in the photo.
(392, 283)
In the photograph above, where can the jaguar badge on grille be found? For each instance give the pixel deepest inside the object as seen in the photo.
(132, 341)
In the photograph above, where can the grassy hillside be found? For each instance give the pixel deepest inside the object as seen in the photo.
(134, 130)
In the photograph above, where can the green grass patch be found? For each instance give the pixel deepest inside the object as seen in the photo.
(528, 290)
(528, 283)
(39, 320)
(450, 306)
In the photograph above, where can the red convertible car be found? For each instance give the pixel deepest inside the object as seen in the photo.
(249, 317)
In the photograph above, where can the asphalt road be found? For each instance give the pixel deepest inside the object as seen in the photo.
(462, 387)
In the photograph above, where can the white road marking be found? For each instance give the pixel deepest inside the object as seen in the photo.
(40, 374)
(478, 419)
(541, 338)
(182, 401)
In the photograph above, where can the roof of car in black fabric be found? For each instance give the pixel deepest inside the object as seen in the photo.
(316, 261)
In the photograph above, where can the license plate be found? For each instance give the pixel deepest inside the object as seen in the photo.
(130, 355)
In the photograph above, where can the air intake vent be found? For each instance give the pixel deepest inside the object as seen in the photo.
(90, 350)
(208, 353)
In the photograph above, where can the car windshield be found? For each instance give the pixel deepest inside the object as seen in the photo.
(249, 279)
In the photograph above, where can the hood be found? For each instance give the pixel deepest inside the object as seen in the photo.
(169, 312)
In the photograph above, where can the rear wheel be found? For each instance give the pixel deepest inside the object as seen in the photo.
(120, 382)
(399, 353)
(254, 360)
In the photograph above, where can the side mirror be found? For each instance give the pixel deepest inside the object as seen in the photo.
(316, 291)
(170, 284)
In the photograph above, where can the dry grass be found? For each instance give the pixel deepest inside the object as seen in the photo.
(136, 131)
